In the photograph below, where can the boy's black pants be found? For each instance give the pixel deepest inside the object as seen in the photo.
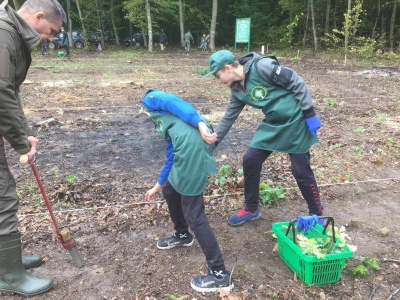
(301, 170)
(188, 211)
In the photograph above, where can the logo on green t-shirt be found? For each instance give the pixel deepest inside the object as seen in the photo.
(258, 93)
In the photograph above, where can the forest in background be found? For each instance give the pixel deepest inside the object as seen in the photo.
(364, 26)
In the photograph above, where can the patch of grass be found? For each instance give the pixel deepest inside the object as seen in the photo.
(329, 102)
(360, 130)
(357, 148)
(200, 71)
(109, 73)
(54, 70)
(381, 118)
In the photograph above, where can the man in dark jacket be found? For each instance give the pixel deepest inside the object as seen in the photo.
(20, 32)
(290, 124)
(163, 39)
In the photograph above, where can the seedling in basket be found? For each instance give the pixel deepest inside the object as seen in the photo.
(326, 255)
(320, 247)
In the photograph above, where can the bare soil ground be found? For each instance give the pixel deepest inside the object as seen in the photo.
(98, 156)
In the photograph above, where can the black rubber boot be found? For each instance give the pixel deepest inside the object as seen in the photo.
(31, 261)
(13, 276)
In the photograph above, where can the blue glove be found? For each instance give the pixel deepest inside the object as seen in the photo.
(307, 223)
(313, 124)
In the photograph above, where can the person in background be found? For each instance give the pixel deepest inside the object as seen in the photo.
(182, 181)
(290, 124)
(203, 43)
(163, 39)
(188, 38)
(20, 32)
(65, 41)
(45, 46)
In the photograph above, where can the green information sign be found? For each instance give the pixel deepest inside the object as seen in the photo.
(243, 31)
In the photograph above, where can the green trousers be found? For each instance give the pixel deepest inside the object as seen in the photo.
(9, 201)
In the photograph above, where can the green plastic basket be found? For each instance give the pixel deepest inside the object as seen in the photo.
(309, 268)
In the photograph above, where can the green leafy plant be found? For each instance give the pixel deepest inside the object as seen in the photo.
(201, 71)
(290, 31)
(320, 245)
(329, 102)
(224, 172)
(269, 194)
(371, 263)
(70, 179)
(359, 270)
(360, 130)
(226, 179)
(311, 246)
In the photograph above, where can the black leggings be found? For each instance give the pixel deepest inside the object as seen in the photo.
(301, 170)
(188, 211)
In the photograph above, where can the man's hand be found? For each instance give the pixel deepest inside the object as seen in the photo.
(206, 135)
(33, 141)
(313, 124)
(152, 193)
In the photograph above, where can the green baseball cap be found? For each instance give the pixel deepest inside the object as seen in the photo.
(218, 60)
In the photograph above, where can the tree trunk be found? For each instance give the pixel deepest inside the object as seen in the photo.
(313, 26)
(328, 11)
(17, 4)
(149, 26)
(82, 24)
(181, 23)
(100, 24)
(213, 24)
(306, 27)
(392, 23)
(71, 42)
(383, 21)
(113, 22)
(144, 37)
(346, 30)
(376, 21)
(334, 14)
(356, 22)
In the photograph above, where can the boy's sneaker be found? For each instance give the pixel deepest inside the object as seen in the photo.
(214, 281)
(175, 240)
(242, 216)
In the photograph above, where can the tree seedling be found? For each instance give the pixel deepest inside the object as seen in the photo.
(70, 179)
(269, 194)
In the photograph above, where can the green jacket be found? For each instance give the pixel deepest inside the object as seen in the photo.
(193, 160)
(17, 40)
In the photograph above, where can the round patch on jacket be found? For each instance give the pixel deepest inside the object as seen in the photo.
(258, 93)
